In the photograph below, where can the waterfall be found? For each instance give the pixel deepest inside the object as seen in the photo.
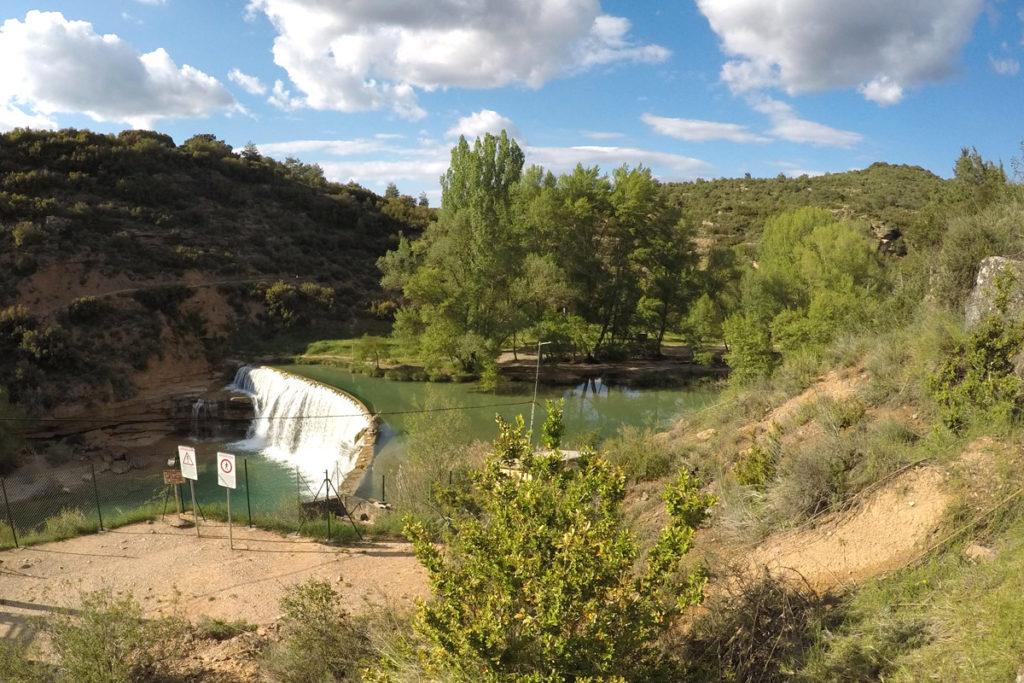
(203, 415)
(302, 423)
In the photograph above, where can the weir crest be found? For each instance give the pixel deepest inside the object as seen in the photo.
(302, 423)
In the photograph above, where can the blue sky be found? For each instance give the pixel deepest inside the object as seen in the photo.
(377, 91)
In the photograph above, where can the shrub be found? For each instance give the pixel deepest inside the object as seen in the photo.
(320, 641)
(541, 581)
(26, 233)
(108, 641)
(68, 523)
(219, 629)
(87, 310)
(640, 454)
(979, 374)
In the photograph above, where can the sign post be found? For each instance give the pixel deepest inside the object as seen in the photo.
(187, 460)
(174, 479)
(226, 478)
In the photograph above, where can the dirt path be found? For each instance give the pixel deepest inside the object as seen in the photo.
(168, 569)
(890, 528)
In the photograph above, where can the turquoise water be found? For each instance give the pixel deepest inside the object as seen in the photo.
(592, 408)
(593, 411)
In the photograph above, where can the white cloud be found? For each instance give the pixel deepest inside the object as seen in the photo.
(1007, 66)
(602, 135)
(295, 148)
(152, 2)
(882, 91)
(250, 84)
(371, 54)
(788, 126)
(12, 117)
(700, 131)
(482, 122)
(880, 47)
(668, 167)
(282, 98)
(53, 65)
(375, 162)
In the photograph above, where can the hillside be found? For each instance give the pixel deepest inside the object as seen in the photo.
(733, 210)
(131, 266)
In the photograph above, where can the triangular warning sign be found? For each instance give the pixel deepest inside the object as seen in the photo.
(188, 459)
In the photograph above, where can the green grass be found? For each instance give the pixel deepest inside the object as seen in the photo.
(950, 619)
(70, 522)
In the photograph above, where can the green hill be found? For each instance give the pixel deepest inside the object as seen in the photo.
(119, 251)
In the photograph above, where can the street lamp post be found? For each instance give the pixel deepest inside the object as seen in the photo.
(536, 381)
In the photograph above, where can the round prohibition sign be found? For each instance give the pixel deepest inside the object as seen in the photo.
(226, 466)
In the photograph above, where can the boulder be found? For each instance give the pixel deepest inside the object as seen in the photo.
(981, 300)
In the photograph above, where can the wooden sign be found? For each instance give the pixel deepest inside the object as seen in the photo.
(173, 477)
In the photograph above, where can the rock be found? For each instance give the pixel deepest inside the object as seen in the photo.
(120, 466)
(979, 553)
(980, 302)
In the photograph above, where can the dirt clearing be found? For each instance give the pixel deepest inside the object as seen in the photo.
(169, 570)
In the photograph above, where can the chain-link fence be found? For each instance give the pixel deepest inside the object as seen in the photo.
(68, 501)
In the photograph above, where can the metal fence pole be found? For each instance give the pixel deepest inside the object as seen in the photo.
(383, 498)
(248, 505)
(96, 494)
(327, 502)
(10, 518)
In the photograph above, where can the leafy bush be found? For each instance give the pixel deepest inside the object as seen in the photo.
(756, 468)
(978, 374)
(541, 579)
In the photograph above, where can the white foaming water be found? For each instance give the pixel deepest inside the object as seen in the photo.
(302, 423)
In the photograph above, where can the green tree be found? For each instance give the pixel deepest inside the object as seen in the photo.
(459, 280)
(539, 580)
(981, 181)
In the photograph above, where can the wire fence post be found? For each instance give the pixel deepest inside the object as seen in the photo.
(298, 495)
(327, 502)
(383, 498)
(10, 518)
(96, 495)
(248, 505)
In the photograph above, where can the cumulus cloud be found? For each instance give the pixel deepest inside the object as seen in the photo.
(482, 122)
(882, 91)
(12, 117)
(700, 131)
(879, 47)
(787, 125)
(54, 65)
(373, 54)
(250, 84)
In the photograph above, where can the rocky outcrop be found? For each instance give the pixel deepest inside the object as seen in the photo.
(981, 301)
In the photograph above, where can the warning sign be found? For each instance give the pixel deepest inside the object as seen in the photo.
(173, 477)
(187, 456)
(226, 470)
